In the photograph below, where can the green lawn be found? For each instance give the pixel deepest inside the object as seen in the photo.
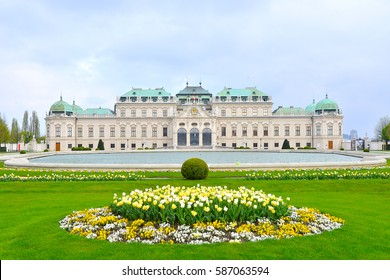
(30, 214)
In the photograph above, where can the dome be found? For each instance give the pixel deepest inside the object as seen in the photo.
(310, 109)
(61, 107)
(76, 108)
(326, 105)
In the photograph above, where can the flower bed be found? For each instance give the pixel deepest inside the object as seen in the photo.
(208, 215)
(72, 177)
(335, 174)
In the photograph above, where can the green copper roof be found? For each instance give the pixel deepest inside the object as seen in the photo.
(310, 109)
(138, 92)
(96, 111)
(61, 106)
(290, 111)
(76, 108)
(327, 105)
(249, 91)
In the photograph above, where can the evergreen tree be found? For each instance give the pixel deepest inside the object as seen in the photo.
(15, 131)
(286, 144)
(100, 145)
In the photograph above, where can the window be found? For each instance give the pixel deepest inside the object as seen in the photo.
(165, 113)
(340, 130)
(308, 144)
(265, 112)
(123, 131)
(254, 145)
(308, 130)
(165, 131)
(276, 131)
(154, 113)
(223, 113)
(144, 131)
(112, 146)
(144, 113)
(165, 145)
(101, 131)
(58, 131)
(154, 145)
(265, 131)
(90, 146)
(123, 145)
(330, 129)
(112, 131)
(223, 144)
(123, 113)
(244, 131)
(69, 131)
(244, 112)
(276, 145)
(234, 112)
(133, 113)
(133, 132)
(298, 145)
(286, 131)
(297, 131)
(223, 131)
(234, 145)
(234, 131)
(79, 132)
(154, 131)
(255, 131)
(90, 131)
(133, 146)
(69, 146)
(318, 130)
(266, 146)
(254, 112)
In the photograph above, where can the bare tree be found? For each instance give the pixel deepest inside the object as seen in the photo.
(25, 121)
(15, 131)
(379, 128)
(34, 125)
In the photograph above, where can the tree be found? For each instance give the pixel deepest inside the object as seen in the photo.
(100, 145)
(386, 135)
(25, 121)
(4, 131)
(382, 123)
(15, 131)
(34, 125)
(286, 144)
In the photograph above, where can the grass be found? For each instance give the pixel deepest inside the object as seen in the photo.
(30, 212)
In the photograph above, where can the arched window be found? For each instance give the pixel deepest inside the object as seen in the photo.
(206, 137)
(182, 137)
(194, 137)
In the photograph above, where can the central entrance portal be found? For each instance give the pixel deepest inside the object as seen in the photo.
(194, 137)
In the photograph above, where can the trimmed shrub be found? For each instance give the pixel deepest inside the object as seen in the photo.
(286, 145)
(366, 150)
(46, 150)
(195, 169)
(341, 149)
(100, 145)
(23, 152)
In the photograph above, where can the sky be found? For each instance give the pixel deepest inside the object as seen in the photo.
(91, 52)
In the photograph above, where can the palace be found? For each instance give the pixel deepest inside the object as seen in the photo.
(194, 118)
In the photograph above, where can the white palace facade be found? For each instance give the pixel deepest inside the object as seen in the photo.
(194, 118)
